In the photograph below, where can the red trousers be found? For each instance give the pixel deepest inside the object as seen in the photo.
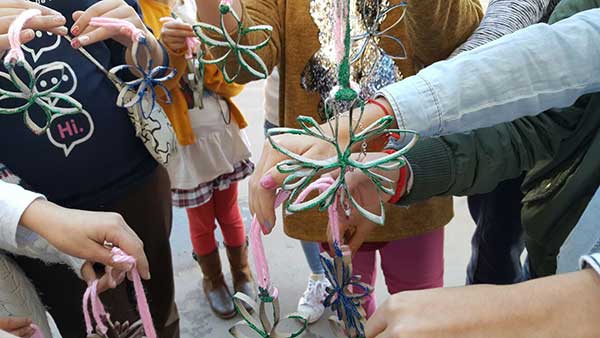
(223, 208)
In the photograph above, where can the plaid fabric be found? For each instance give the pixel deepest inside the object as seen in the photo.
(191, 198)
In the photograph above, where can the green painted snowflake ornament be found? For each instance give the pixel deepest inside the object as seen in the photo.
(232, 45)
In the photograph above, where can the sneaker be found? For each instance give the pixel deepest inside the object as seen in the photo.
(310, 305)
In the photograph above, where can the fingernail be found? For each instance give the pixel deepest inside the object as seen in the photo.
(59, 19)
(83, 39)
(75, 30)
(268, 182)
(75, 44)
(63, 30)
(266, 227)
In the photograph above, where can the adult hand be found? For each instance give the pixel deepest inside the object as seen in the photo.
(50, 20)
(17, 326)
(115, 9)
(174, 33)
(83, 234)
(560, 306)
(266, 179)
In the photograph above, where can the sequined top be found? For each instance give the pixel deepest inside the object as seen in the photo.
(430, 31)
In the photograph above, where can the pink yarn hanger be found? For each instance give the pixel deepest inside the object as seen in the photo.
(123, 25)
(99, 313)
(15, 54)
(322, 184)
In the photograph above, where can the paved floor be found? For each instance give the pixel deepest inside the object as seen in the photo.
(288, 268)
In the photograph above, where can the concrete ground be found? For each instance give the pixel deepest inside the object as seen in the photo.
(289, 270)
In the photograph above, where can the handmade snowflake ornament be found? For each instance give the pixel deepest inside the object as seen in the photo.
(259, 323)
(147, 77)
(28, 91)
(104, 327)
(302, 170)
(373, 14)
(230, 45)
(120, 330)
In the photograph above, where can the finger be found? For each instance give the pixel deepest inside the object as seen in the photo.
(76, 15)
(107, 281)
(88, 273)
(98, 9)
(376, 325)
(13, 323)
(26, 36)
(175, 46)
(178, 26)
(126, 239)
(25, 332)
(50, 23)
(28, 5)
(92, 36)
(361, 234)
(175, 33)
(97, 253)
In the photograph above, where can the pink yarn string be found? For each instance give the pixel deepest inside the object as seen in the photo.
(192, 45)
(86, 311)
(14, 35)
(339, 28)
(259, 257)
(98, 311)
(322, 184)
(123, 25)
(140, 295)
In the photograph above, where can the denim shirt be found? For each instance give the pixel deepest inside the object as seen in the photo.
(524, 73)
(584, 239)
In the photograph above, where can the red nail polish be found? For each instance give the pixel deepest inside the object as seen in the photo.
(75, 30)
(75, 44)
(268, 182)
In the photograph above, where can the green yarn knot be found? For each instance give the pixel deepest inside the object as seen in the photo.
(224, 9)
(346, 94)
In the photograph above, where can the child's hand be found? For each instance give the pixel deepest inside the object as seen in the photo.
(17, 326)
(50, 20)
(174, 34)
(114, 9)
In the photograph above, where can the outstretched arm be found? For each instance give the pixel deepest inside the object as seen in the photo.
(511, 77)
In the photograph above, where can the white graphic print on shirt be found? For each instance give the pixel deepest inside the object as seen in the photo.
(64, 131)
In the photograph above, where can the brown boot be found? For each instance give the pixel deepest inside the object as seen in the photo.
(213, 283)
(240, 271)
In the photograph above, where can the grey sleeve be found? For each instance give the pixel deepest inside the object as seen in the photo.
(507, 16)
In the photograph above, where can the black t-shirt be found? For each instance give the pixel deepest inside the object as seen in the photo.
(82, 159)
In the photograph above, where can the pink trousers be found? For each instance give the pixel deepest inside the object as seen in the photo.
(408, 264)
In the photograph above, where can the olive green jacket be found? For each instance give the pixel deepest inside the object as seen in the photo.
(559, 150)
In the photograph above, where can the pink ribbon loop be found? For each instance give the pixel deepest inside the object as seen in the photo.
(99, 313)
(15, 54)
(322, 184)
(134, 33)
